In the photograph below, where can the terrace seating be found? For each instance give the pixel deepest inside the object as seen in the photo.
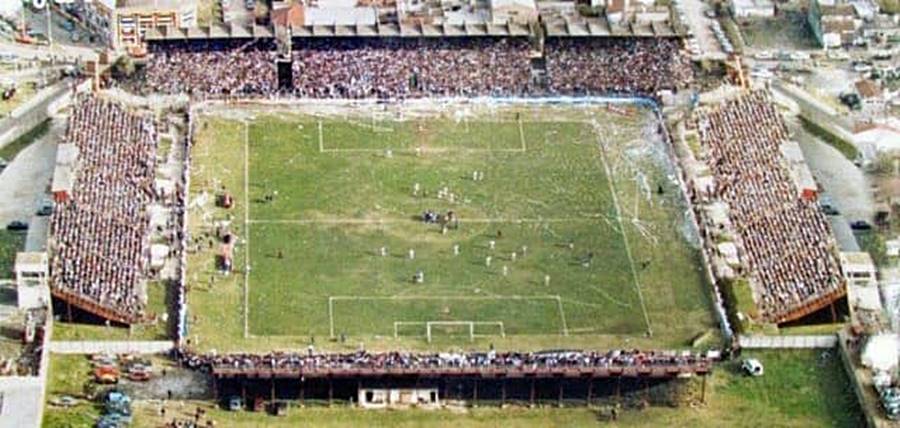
(99, 236)
(415, 68)
(784, 239)
(626, 66)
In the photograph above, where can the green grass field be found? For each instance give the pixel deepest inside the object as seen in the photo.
(323, 195)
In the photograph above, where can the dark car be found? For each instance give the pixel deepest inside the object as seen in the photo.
(860, 225)
(45, 209)
(17, 225)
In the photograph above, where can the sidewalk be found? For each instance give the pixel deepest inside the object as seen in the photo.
(21, 402)
(109, 347)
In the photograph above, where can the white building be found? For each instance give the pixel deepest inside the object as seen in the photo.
(340, 16)
(875, 139)
(394, 398)
(513, 11)
(32, 271)
(123, 23)
(859, 269)
(753, 8)
(11, 10)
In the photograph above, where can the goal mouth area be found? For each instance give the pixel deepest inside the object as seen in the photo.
(446, 316)
(470, 329)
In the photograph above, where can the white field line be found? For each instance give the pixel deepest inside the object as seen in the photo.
(397, 324)
(424, 150)
(615, 198)
(246, 229)
(332, 299)
(321, 142)
(521, 135)
(408, 220)
(562, 316)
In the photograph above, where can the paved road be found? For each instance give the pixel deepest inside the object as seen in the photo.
(31, 113)
(700, 26)
(842, 181)
(68, 53)
(21, 402)
(24, 182)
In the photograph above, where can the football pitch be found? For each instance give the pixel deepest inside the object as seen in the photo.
(556, 228)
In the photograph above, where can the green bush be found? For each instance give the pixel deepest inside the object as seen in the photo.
(845, 147)
(588, 11)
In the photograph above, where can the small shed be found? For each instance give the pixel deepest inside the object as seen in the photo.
(32, 270)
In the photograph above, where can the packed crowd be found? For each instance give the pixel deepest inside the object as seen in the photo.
(405, 360)
(784, 239)
(397, 68)
(99, 235)
(214, 68)
(616, 65)
(408, 68)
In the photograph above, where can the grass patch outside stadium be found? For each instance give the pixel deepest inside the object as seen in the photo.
(552, 177)
(801, 388)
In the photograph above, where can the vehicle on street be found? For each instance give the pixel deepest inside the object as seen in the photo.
(46, 208)
(860, 225)
(17, 225)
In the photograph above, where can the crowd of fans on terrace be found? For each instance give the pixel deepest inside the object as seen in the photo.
(422, 67)
(785, 240)
(628, 66)
(99, 235)
(405, 360)
(406, 68)
(216, 69)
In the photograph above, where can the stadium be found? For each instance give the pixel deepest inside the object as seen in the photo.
(465, 212)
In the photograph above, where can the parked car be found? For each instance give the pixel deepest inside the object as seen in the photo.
(46, 208)
(250, 4)
(64, 401)
(827, 206)
(860, 225)
(3, 164)
(17, 225)
(106, 375)
(752, 367)
(139, 373)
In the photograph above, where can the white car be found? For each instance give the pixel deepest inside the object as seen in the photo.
(799, 56)
(762, 73)
(764, 55)
(752, 367)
